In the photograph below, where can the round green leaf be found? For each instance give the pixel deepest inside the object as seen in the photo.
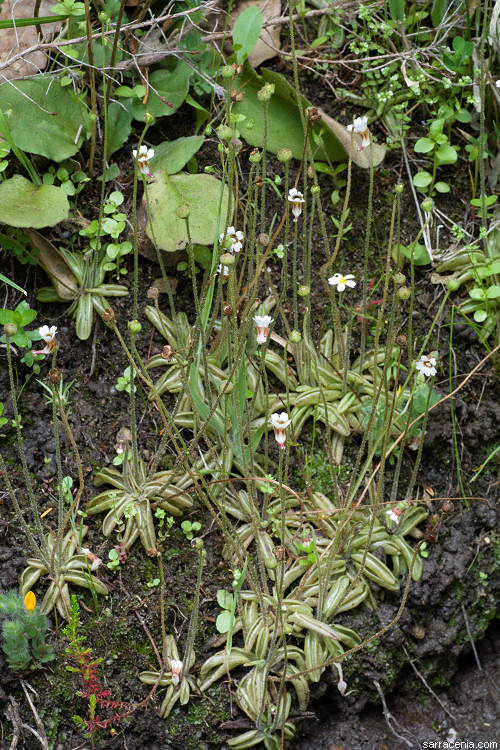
(224, 599)
(442, 187)
(23, 204)
(223, 622)
(423, 146)
(446, 154)
(201, 192)
(52, 122)
(477, 293)
(422, 179)
(493, 292)
(480, 316)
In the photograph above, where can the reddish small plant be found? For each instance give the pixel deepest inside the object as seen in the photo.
(96, 695)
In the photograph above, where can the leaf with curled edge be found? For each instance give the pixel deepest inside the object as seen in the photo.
(55, 266)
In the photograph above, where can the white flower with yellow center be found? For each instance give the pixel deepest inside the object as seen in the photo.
(340, 281)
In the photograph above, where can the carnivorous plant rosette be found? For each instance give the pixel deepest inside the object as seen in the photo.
(69, 567)
(136, 491)
(177, 679)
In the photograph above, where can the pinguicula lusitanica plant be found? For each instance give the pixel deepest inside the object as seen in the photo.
(238, 374)
(249, 392)
(57, 554)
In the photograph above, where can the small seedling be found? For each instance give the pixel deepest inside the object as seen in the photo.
(114, 559)
(190, 529)
(123, 382)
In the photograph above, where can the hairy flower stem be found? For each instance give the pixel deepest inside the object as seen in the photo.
(265, 108)
(193, 622)
(364, 296)
(22, 456)
(134, 223)
(42, 555)
(159, 255)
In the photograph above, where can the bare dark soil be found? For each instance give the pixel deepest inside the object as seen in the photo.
(456, 600)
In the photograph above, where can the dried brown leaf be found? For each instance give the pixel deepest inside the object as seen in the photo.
(55, 266)
(15, 41)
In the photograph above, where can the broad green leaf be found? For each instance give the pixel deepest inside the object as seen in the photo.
(53, 124)
(23, 204)
(477, 293)
(422, 179)
(493, 292)
(172, 85)
(442, 187)
(174, 155)
(223, 622)
(284, 124)
(119, 127)
(201, 192)
(397, 8)
(446, 154)
(436, 126)
(423, 146)
(246, 32)
(224, 599)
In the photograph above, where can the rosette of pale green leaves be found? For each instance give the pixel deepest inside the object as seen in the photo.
(136, 491)
(70, 568)
(174, 693)
(92, 293)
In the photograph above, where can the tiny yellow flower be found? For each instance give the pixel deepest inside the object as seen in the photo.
(30, 602)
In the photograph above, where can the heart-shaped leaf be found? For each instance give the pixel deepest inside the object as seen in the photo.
(208, 209)
(23, 204)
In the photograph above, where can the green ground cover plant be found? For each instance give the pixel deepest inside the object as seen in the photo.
(252, 388)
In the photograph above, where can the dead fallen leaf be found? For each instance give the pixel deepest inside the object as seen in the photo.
(55, 266)
(360, 158)
(160, 285)
(269, 39)
(14, 41)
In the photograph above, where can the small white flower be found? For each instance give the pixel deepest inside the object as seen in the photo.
(237, 238)
(49, 336)
(394, 514)
(497, 83)
(426, 365)
(262, 322)
(360, 126)
(280, 422)
(223, 271)
(342, 281)
(296, 199)
(176, 666)
(93, 559)
(145, 154)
